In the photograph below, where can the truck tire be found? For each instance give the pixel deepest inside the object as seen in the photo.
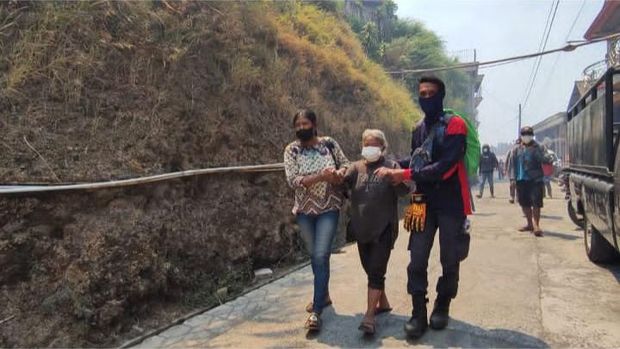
(572, 213)
(597, 248)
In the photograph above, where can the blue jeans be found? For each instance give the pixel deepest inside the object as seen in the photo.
(318, 232)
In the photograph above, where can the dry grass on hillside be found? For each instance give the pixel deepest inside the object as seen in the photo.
(120, 89)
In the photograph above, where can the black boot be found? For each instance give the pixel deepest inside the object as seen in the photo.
(417, 325)
(440, 314)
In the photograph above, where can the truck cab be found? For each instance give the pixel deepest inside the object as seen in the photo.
(593, 137)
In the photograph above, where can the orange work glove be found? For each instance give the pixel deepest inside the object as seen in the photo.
(408, 220)
(415, 214)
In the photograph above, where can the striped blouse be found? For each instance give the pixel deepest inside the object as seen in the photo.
(303, 161)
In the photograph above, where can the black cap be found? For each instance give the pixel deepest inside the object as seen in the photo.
(527, 131)
(435, 81)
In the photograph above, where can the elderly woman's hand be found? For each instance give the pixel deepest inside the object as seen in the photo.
(396, 176)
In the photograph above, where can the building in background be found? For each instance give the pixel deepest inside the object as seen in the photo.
(606, 22)
(474, 93)
(365, 10)
(552, 133)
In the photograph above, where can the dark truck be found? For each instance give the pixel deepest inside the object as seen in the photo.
(593, 134)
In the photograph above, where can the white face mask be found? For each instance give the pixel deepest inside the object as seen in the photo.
(371, 154)
(527, 139)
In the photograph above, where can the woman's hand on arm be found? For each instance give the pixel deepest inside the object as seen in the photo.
(309, 180)
(333, 176)
(326, 175)
(397, 176)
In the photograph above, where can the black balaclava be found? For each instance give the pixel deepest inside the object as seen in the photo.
(432, 107)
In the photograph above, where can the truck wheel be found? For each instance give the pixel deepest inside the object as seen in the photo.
(573, 214)
(597, 248)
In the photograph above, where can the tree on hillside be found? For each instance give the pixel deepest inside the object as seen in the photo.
(373, 46)
(417, 48)
(405, 44)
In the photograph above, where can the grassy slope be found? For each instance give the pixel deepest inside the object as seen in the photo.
(106, 90)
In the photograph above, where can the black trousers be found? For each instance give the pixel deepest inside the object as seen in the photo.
(375, 256)
(420, 244)
(487, 177)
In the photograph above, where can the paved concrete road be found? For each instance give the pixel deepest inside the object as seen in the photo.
(516, 290)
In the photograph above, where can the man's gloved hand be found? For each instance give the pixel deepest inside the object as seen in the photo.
(408, 220)
(415, 214)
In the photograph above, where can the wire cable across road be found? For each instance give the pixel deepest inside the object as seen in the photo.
(24, 189)
(566, 48)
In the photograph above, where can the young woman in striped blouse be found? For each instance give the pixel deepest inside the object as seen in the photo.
(314, 168)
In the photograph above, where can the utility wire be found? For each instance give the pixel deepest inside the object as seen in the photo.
(570, 31)
(495, 65)
(540, 47)
(527, 97)
(566, 48)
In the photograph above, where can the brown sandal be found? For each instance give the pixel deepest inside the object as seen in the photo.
(313, 323)
(367, 327)
(538, 233)
(526, 228)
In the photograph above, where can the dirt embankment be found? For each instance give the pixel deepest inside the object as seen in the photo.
(80, 268)
(94, 91)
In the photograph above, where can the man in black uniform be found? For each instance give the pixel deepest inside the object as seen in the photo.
(441, 201)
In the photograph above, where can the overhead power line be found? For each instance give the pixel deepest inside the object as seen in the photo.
(540, 46)
(570, 31)
(489, 64)
(533, 82)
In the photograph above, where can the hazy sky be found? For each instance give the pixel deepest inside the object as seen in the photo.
(504, 28)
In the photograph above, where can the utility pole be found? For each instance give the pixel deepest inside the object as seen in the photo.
(519, 130)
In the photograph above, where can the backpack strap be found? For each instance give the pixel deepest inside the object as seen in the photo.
(330, 147)
(440, 130)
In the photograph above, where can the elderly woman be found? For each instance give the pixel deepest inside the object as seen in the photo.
(374, 218)
(315, 167)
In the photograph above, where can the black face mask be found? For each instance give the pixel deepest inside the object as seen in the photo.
(305, 134)
(432, 107)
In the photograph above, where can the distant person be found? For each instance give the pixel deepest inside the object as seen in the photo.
(314, 168)
(488, 164)
(548, 171)
(440, 201)
(500, 169)
(510, 170)
(527, 161)
(374, 219)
